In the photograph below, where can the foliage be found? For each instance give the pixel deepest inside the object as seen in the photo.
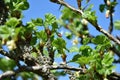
(39, 40)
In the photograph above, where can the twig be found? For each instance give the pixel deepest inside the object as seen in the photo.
(67, 67)
(111, 23)
(113, 48)
(95, 25)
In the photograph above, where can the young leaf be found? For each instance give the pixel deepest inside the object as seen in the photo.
(59, 43)
(38, 22)
(85, 50)
(42, 35)
(100, 39)
(84, 60)
(12, 22)
(5, 32)
(108, 59)
(49, 19)
(23, 5)
(86, 40)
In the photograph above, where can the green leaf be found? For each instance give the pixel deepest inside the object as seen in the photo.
(7, 64)
(86, 40)
(75, 58)
(105, 46)
(54, 26)
(34, 54)
(85, 50)
(12, 22)
(5, 32)
(100, 39)
(108, 59)
(90, 16)
(68, 14)
(74, 49)
(42, 35)
(59, 43)
(101, 71)
(38, 22)
(105, 66)
(23, 5)
(117, 24)
(49, 19)
(102, 7)
(84, 60)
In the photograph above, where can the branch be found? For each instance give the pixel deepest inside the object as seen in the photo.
(7, 74)
(100, 29)
(6, 53)
(37, 68)
(22, 68)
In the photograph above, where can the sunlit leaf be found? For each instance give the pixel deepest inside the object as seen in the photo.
(85, 50)
(5, 32)
(23, 5)
(108, 59)
(42, 35)
(49, 19)
(86, 40)
(74, 49)
(12, 22)
(84, 60)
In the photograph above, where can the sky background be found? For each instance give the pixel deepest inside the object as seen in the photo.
(38, 8)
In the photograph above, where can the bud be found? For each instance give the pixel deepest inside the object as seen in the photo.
(42, 44)
(59, 35)
(75, 41)
(107, 14)
(108, 2)
(11, 44)
(64, 57)
(84, 22)
(48, 31)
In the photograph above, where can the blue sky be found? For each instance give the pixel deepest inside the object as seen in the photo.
(38, 8)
